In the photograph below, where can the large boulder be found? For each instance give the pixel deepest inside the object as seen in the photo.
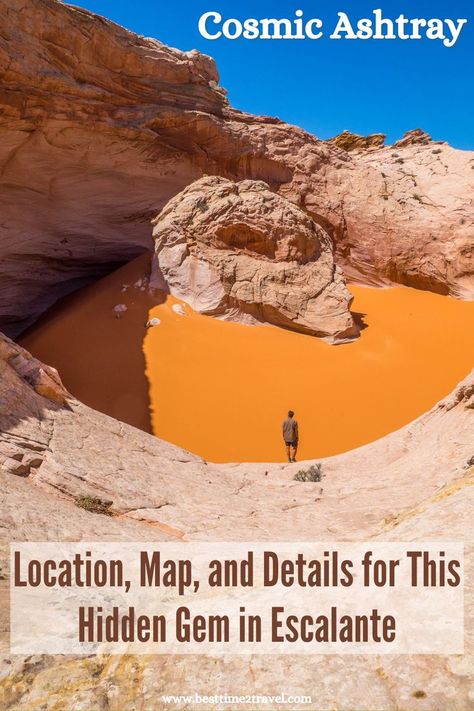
(241, 252)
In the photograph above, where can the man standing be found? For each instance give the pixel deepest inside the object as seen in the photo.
(290, 436)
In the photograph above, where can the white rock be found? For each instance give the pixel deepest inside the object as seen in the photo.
(153, 322)
(179, 309)
(119, 309)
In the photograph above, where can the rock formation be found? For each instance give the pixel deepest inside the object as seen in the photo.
(148, 479)
(77, 452)
(239, 251)
(101, 128)
(353, 142)
(412, 138)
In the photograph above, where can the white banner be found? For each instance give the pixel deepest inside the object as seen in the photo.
(237, 598)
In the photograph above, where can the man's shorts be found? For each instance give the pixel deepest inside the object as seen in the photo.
(294, 443)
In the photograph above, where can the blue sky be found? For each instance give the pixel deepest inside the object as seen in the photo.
(327, 86)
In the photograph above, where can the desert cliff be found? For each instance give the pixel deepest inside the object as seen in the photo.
(102, 127)
(104, 131)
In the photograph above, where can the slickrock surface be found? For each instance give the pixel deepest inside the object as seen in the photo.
(78, 452)
(241, 252)
(423, 190)
(100, 128)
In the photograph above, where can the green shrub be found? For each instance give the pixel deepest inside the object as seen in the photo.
(94, 505)
(419, 694)
(314, 473)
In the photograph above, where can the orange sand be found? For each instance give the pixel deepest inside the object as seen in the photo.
(99, 357)
(222, 389)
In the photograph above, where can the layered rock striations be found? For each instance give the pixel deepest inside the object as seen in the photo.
(414, 137)
(83, 169)
(53, 452)
(354, 142)
(240, 252)
(100, 128)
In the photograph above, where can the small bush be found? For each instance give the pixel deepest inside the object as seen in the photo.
(314, 473)
(417, 197)
(436, 151)
(399, 160)
(94, 505)
(470, 462)
(419, 694)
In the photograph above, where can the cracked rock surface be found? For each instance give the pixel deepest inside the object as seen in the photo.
(101, 127)
(79, 452)
(239, 251)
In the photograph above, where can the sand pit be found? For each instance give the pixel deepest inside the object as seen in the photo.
(222, 389)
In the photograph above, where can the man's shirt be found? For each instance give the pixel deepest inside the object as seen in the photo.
(290, 430)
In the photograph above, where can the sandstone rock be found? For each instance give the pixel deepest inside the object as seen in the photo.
(86, 453)
(112, 153)
(424, 191)
(178, 309)
(412, 138)
(153, 322)
(43, 379)
(13, 466)
(463, 393)
(239, 251)
(115, 152)
(119, 310)
(353, 142)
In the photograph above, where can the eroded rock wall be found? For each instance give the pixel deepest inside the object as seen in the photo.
(100, 128)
